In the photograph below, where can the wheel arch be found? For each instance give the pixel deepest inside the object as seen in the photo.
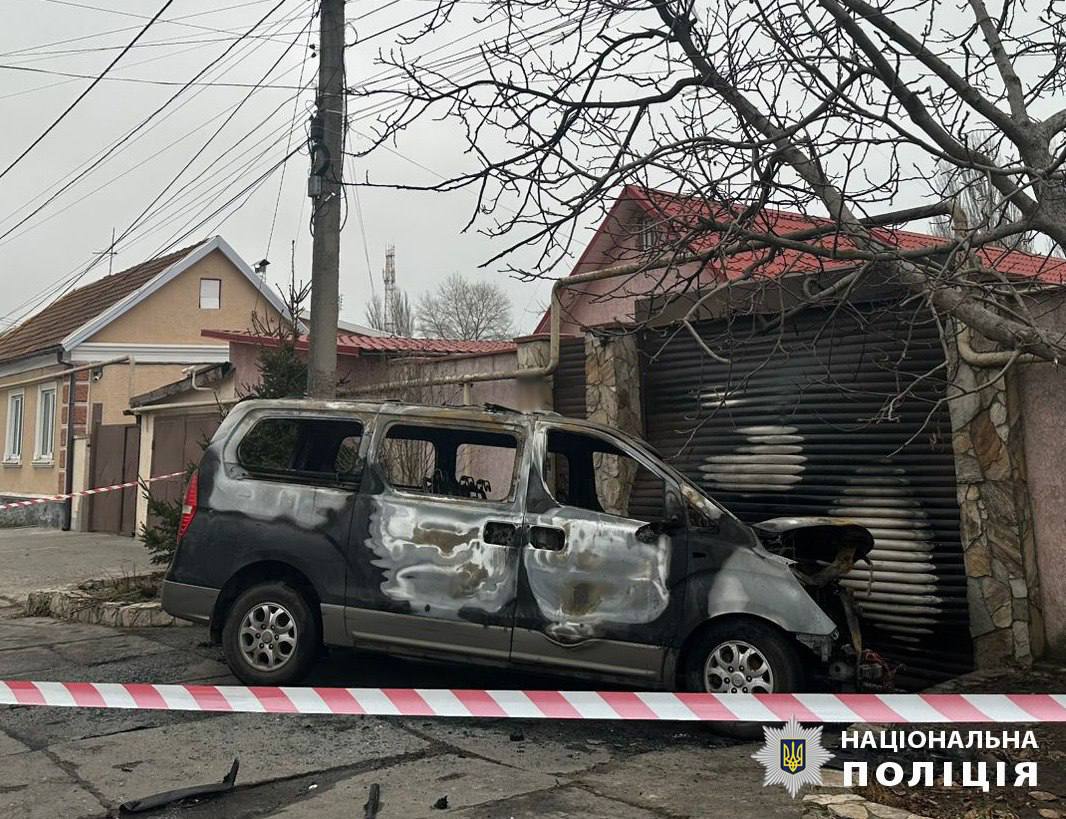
(697, 631)
(265, 571)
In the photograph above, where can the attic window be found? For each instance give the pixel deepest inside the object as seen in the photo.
(651, 234)
(210, 294)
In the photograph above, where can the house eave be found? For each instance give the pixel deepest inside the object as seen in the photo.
(36, 360)
(151, 353)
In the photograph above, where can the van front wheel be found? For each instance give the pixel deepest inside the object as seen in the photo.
(742, 657)
(270, 636)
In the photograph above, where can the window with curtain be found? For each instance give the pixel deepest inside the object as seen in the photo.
(46, 423)
(13, 438)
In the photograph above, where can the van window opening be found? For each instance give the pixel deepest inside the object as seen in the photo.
(457, 463)
(302, 449)
(591, 473)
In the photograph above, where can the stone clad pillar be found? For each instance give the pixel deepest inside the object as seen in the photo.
(612, 397)
(998, 540)
(534, 393)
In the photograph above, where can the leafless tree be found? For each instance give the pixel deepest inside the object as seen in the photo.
(461, 308)
(402, 320)
(837, 108)
(976, 200)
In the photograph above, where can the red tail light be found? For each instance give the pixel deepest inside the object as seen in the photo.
(188, 508)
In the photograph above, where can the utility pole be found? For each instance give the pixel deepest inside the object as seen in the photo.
(324, 188)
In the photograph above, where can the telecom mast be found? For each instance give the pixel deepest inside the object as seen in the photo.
(389, 275)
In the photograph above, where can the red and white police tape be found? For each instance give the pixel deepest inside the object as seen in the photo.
(114, 487)
(613, 705)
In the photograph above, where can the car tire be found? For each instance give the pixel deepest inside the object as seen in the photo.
(271, 636)
(766, 662)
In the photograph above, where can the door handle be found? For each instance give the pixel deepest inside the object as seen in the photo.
(500, 533)
(548, 538)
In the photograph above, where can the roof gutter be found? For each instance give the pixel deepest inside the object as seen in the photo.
(147, 408)
(125, 359)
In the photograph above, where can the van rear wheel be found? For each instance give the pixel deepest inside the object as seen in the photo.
(270, 636)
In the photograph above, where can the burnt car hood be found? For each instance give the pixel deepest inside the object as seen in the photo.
(823, 548)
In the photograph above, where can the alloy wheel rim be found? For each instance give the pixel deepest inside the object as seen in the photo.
(267, 637)
(737, 667)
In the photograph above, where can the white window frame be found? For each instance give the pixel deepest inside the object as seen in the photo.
(13, 437)
(650, 234)
(218, 304)
(40, 455)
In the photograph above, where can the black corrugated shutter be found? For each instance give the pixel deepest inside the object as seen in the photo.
(797, 424)
(569, 378)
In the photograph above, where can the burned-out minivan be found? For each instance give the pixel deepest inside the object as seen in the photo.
(498, 537)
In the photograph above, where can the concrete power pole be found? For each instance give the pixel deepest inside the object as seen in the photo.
(324, 188)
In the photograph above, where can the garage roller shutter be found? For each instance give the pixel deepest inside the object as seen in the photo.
(797, 424)
(569, 378)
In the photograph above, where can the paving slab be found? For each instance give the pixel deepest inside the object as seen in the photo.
(27, 632)
(110, 648)
(32, 786)
(558, 803)
(410, 790)
(39, 728)
(140, 763)
(21, 662)
(694, 782)
(539, 746)
(10, 745)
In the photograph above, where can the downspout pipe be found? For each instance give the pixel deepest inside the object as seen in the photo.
(68, 467)
(995, 360)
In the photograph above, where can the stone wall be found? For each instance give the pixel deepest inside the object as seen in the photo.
(612, 397)
(996, 513)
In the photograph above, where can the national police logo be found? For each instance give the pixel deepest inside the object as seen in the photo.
(793, 756)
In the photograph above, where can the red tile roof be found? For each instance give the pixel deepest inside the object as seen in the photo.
(679, 213)
(45, 330)
(354, 344)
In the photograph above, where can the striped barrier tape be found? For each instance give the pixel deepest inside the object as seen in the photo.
(611, 705)
(98, 490)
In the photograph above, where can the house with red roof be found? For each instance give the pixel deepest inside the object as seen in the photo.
(876, 410)
(67, 374)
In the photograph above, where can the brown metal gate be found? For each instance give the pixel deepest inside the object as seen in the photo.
(178, 441)
(115, 452)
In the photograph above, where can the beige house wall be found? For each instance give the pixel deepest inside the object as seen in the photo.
(120, 382)
(28, 477)
(172, 314)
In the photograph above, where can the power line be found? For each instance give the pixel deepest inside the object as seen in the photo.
(295, 113)
(69, 281)
(110, 151)
(124, 29)
(143, 80)
(86, 92)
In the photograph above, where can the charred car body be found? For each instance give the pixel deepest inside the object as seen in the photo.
(499, 537)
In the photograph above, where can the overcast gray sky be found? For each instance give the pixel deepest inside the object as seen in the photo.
(80, 37)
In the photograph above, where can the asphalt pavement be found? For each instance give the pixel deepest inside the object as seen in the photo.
(33, 558)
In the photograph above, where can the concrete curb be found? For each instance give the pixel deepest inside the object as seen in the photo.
(76, 603)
